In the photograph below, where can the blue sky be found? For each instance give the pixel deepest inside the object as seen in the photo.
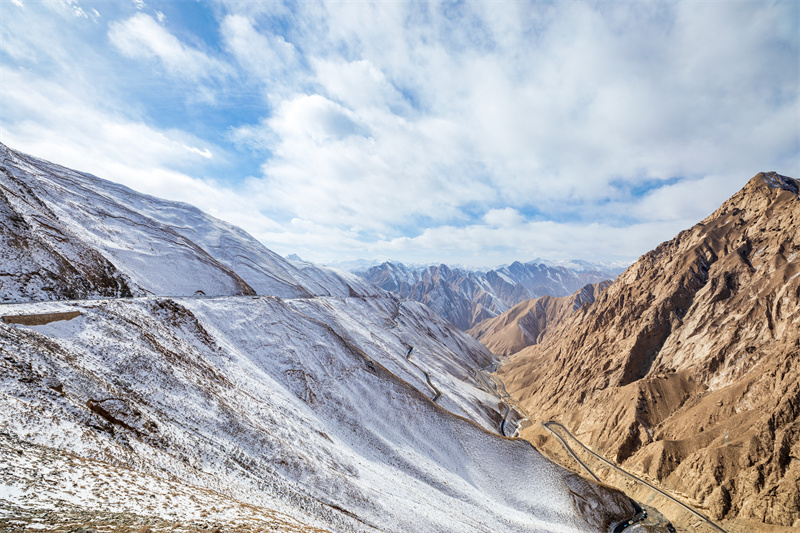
(462, 132)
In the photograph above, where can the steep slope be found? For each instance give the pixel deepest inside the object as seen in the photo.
(287, 405)
(331, 404)
(531, 321)
(467, 298)
(687, 367)
(91, 237)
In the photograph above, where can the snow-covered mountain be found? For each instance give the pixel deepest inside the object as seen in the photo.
(72, 235)
(467, 298)
(147, 344)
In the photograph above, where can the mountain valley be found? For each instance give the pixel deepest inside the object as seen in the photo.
(162, 369)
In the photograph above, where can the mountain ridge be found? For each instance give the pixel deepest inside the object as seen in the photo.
(62, 211)
(532, 321)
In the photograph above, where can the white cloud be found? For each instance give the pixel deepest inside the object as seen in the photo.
(368, 170)
(357, 84)
(204, 153)
(503, 218)
(486, 246)
(433, 130)
(50, 121)
(262, 54)
(18, 3)
(415, 132)
(161, 17)
(76, 9)
(142, 37)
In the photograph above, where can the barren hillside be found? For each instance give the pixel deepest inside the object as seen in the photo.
(687, 368)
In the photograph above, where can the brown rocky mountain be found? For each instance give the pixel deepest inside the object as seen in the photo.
(687, 368)
(531, 321)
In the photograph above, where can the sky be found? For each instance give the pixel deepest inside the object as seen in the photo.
(474, 133)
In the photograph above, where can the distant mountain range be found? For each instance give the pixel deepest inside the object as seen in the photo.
(532, 321)
(466, 297)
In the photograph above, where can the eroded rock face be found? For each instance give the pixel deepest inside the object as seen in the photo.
(687, 367)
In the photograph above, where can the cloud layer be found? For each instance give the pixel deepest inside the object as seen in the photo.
(476, 133)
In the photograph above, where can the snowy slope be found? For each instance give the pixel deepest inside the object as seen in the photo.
(149, 245)
(260, 400)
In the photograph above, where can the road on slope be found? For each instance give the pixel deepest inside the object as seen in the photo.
(553, 423)
(436, 392)
(639, 513)
(503, 396)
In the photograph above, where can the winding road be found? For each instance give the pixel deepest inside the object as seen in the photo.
(491, 386)
(436, 392)
(504, 420)
(625, 472)
(569, 449)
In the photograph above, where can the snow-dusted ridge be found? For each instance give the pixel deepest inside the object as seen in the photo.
(149, 246)
(298, 400)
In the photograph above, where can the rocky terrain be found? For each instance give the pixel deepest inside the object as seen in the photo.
(687, 368)
(161, 370)
(531, 321)
(466, 298)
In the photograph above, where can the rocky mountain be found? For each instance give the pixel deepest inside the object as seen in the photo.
(687, 368)
(466, 298)
(161, 368)
(531, 321)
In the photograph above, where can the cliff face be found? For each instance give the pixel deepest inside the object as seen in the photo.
(687, 367)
